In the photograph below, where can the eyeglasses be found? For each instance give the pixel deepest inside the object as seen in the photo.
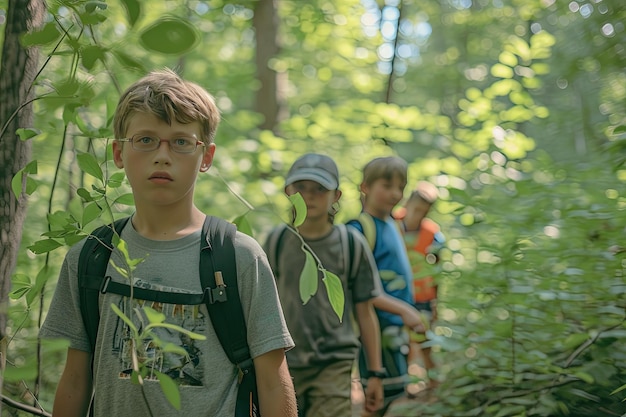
(147, 143)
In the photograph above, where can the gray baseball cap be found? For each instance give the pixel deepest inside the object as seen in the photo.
(314, 167)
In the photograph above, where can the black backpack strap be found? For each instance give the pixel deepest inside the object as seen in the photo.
(105, 284)
(218, 275)
(93, 261)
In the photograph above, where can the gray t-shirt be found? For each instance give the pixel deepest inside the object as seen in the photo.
(207, 379)
(319, 335)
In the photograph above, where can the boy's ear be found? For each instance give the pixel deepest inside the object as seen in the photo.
(338, 194)
(207, 157)
(363, 188)
(117, 154)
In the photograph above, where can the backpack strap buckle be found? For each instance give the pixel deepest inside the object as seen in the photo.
(244, 369)
(217, 294)
(105, 284)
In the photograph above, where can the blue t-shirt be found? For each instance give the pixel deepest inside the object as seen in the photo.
(393, 265)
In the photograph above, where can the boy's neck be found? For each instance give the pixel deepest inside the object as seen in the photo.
(378, 214)
(315, 229)
(154, 224)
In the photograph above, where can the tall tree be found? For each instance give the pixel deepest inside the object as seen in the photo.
(270, 100)
(17, 73)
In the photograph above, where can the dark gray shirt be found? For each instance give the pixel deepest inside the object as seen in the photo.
(319, 336)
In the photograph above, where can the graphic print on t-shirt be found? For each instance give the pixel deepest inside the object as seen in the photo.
(181, 361)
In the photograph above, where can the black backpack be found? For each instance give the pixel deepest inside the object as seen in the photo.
(218, 276)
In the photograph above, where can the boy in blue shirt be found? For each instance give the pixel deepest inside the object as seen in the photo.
(382, 188)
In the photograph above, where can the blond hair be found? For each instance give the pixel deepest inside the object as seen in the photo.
(167, 96)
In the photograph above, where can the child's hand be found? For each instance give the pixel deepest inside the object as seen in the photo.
(413, 320)
(374, 395)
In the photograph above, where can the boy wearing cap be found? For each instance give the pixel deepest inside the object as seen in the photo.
(424, 240)
(326, 348)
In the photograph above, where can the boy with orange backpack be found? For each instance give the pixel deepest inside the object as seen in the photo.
(424, 240)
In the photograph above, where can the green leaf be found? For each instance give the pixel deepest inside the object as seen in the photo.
(153, 315)
(620, 389)
(20, 284)
(120, 270)
(125, 199)
(133, 10)
(93, 17)
(178, 329)
(169, 388)
(27, 133)
(308, 278)
(17, 293)
(299, 206)
(84, 194)
(243, 225)
(116, 179)
(126, 320)
(91, 6)
(88, 163)
(16, 184)
(335, 293)
(42, 278)
(91, 54)
(584, 376)
(48, 34)
(30, 185)
(128, 61)
(173, 348)
(169, 35)
(43, 246)
(91, 213)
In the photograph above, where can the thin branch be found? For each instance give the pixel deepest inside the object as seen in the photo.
(392, 71)
(588, 343)
(24, 407)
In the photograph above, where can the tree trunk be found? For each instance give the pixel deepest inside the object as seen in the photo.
(270, 98)
(17, 73)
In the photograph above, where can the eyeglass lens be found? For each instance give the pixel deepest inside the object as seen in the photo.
(145, 143)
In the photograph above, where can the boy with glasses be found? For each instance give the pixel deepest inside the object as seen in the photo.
(165, 129)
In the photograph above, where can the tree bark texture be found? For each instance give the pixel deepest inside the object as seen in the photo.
(18, 69)
(270, 98)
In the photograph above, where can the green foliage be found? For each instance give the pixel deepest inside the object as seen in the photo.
(169, 35)
(534, 306)
(308, 277)
(532, 287)
(23, 182)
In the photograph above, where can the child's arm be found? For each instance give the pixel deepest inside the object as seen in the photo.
(75, 387)
(370, 338)
(410, 316)
(276, 394)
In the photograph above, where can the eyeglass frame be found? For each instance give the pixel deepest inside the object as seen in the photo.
(169, 141)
